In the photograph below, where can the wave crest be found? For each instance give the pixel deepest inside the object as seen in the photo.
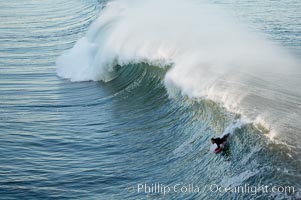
(210, 53)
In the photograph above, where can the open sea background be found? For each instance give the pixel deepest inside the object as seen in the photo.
(62, 139)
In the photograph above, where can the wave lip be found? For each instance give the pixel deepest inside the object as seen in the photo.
(209, 52)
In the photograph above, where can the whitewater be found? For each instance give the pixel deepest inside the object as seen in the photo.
(208, 53)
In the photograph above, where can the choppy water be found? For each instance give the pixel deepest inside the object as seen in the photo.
(95, 140)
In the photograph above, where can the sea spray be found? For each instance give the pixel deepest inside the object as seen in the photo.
(210, 52)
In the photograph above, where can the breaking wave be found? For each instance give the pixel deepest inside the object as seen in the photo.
(207, 54)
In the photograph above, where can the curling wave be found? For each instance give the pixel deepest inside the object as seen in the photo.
(212, 56)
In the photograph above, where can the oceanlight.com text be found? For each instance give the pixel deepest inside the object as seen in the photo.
(213, 188)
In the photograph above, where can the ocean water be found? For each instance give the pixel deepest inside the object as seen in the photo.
(106, 99)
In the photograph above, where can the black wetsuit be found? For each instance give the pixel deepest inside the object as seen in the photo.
(219, 141)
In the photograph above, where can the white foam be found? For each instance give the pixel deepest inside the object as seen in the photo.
(238, 179)
(208, 50)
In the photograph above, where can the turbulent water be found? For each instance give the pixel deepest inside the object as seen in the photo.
(98, 97)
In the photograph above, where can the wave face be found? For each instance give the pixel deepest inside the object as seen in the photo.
(209, 56)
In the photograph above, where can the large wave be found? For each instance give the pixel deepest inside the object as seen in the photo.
(208, 54)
